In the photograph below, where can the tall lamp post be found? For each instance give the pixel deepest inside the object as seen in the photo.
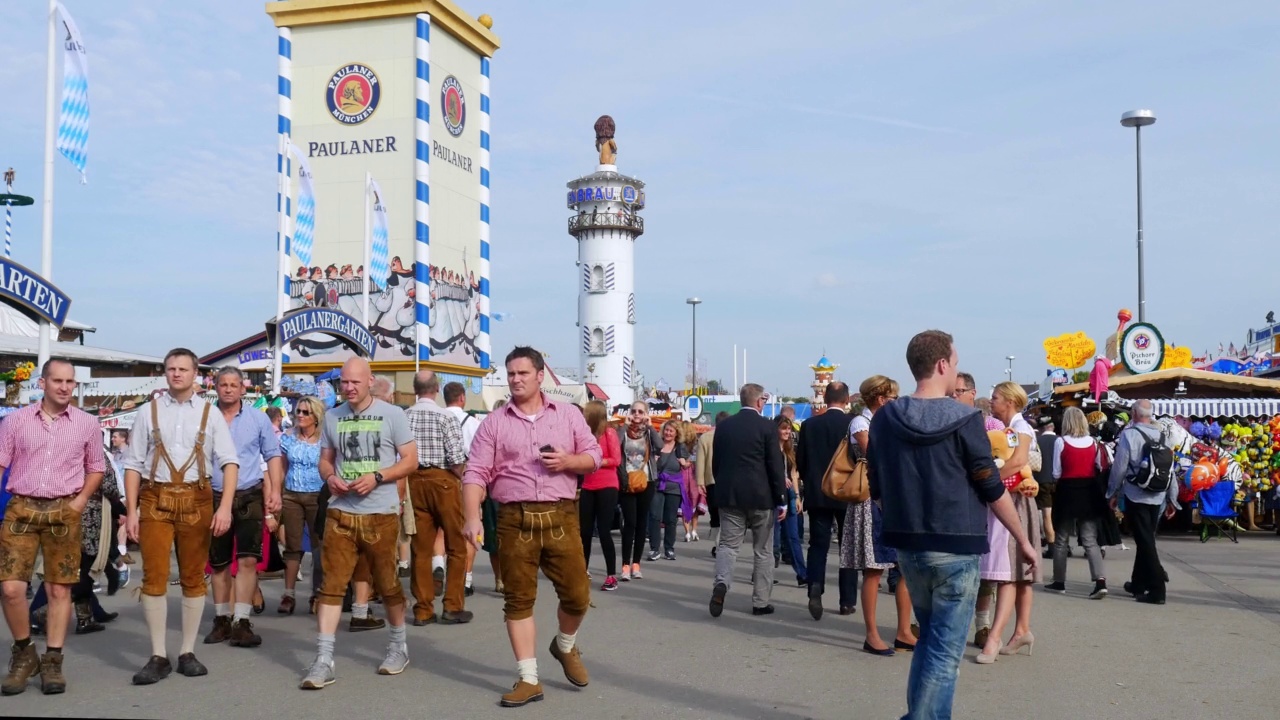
(693, 371)
(1138, 119)
(1009, 372)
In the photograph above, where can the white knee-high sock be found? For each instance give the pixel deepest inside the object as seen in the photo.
(155, 609)
(192, 613)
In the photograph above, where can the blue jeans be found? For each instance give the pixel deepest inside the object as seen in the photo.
(944, 588)
(788, 531)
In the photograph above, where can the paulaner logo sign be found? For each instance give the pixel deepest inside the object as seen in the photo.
(333, 323)
(36, 297)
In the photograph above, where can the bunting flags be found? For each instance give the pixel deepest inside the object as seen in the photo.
(304, 229)
(73, 125)
(380, 254)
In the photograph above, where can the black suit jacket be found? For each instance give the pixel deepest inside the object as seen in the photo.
(819, 438)
(747, 463)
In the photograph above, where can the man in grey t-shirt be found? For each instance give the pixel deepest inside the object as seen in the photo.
(366, 451)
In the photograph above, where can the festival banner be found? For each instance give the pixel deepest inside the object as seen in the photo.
(73, 125)
(380, 253)
(304, 228)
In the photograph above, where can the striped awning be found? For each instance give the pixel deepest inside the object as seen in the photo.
(1214, 407)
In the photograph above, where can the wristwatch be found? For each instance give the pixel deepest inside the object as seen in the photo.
(377, 477)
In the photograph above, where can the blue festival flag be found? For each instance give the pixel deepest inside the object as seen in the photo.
(73, 125)
(304, 229)
(380, 253)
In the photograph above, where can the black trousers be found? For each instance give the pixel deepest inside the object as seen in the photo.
(821, 522)
(635, 522)
(1148, 573)
(713, 506)
(596, 509)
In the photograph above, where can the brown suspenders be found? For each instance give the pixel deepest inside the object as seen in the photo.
(177, 474)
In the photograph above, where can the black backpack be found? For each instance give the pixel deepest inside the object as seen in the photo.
(1156, 471)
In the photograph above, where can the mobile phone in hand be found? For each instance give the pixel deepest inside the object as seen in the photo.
(546, 449)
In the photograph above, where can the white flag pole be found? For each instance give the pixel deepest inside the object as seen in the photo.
(368, 245)
(735, 369)
(744, 366)
(50, 129)
(282, 262)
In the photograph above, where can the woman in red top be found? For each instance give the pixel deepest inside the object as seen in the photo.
(1077, 501)
(598, 501)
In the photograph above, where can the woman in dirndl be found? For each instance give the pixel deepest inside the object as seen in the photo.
(860, 545)
(1014, 574)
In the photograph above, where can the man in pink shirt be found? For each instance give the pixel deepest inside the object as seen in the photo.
(527, 456)
(55, 458)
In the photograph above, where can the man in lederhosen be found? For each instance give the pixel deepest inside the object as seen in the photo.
(170, 502)
(257, 499)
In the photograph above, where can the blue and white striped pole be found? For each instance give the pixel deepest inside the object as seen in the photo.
(8, 223)
(483, 345)
(284, 127)
(422, 190)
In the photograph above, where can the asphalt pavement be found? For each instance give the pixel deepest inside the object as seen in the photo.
(654, 652)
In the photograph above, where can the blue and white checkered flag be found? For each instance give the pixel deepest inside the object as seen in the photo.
(73, 126)
(304, 229)
(380, 254)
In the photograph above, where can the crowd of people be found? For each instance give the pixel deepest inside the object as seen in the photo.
(950, 525)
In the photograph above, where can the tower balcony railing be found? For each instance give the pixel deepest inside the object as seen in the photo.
(606, 221)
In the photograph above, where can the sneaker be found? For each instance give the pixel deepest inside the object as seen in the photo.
(653, 555)
(1056, 587)
(367, 623)
(610, 583)
(635, 573)
(396, 661)
(669, 555)
(320, 675)
(626, 574)
(124, 577)
(1099, 590)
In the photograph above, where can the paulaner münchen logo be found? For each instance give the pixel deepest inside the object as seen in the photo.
(453, 106)
(353, 94)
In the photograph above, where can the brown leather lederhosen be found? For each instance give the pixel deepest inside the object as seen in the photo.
(175, 512)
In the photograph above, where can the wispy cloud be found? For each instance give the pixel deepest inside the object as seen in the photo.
(831, 112)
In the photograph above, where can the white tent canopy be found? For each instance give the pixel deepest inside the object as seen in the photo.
(1215, 407)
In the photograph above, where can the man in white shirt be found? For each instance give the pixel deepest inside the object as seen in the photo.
(455, 399)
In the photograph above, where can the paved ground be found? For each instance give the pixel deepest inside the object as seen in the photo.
(653, 651)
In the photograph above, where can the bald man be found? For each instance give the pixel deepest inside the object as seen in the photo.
(435, 488)
(366, 449)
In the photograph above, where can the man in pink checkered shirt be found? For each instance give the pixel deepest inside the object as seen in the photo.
(56, 461)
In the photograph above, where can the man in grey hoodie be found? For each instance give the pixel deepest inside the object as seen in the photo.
(930, 466)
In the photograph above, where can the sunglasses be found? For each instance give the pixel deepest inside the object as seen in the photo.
(302, 413)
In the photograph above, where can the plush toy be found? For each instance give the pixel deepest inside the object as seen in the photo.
(1003, 443)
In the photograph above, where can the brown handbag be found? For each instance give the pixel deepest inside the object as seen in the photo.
(637, 480)
(846, 478)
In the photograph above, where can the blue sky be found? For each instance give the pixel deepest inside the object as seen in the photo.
(826, 176)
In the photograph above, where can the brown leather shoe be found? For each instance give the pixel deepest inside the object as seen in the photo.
(221, 630)
(980, 637)
(22, 665)
(51, 680)
(574, 671)
(522, 693)
(368, 623)
(287, 604)
(242, 635)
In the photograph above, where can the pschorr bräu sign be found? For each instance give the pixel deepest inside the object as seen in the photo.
(333, 323)
(36, 297)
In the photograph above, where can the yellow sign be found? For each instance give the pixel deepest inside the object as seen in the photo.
(1176, 357)
(1069, 350)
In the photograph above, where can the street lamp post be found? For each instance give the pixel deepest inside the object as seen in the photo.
(693, 371)
(1009, 372)
(1138, 119)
